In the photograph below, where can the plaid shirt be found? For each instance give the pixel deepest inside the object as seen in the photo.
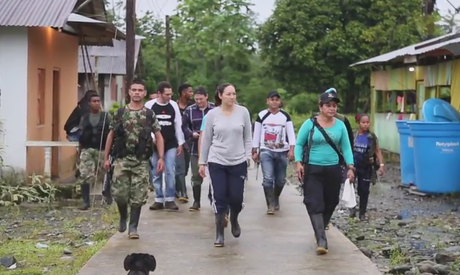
(191, 122)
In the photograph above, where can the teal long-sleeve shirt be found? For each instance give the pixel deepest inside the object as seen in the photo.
(321, 153)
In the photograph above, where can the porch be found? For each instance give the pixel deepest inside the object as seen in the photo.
(51, 155)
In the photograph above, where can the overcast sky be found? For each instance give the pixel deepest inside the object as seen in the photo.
(262, 7)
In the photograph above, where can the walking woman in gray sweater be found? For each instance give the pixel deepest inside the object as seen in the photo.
(226, 148)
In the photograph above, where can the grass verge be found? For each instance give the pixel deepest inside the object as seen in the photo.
(55, 242)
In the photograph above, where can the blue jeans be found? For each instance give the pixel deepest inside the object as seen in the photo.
(74, 137)
(274, 165)
(170, 177)
(181, 186)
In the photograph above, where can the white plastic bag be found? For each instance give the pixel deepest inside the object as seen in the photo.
(348, 195)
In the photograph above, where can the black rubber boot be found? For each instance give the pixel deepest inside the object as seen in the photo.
(134, 222)
(363, 206)
(123, 211)
(327, 215)
(196, 198)
(320, 233)
(236, 229)
(85, 189)
(269, 200)
(219, 242)
(276, 198)
(352, 213)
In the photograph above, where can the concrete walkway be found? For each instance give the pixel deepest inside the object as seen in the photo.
(182, 242)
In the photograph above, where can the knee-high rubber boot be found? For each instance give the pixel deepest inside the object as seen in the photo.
(85, 190)
(269, 200)
(196, 198)
(134, 222)
(219, 242)
(123, 211)
(363, 200)
(276, 198)
(320, 233)
(327, 215)
(236, 229)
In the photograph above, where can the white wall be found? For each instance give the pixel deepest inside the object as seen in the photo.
(107, 94)
(13, 95)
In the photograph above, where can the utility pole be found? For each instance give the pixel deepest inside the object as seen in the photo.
(168, 49)
(130, 44)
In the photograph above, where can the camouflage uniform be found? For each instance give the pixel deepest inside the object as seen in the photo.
(130, 174)
(91, 166)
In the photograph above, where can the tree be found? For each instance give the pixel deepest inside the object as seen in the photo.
(450, 21)
(216, 39)
(308, 45)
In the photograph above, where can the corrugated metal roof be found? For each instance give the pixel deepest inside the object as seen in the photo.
(35, 13)
(452, 45)
(111, 60)
(78, 18)
(105, 65)
(409, 50)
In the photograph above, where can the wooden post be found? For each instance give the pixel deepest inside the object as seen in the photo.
(130, 44)
(168, 49)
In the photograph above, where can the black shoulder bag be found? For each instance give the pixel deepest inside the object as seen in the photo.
(328, 140)
(306, 157)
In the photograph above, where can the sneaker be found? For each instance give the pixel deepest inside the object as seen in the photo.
(183, 199)
(171, 206)
(157, 206)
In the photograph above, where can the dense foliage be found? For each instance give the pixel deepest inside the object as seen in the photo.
(303, 48)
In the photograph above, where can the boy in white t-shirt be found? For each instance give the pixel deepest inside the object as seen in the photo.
(273, 145)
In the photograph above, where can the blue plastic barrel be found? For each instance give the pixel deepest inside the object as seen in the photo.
(438, 110)
(437, 155)
(406, 153)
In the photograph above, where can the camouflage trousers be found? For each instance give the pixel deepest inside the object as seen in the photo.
(130, 183)
(91, 166)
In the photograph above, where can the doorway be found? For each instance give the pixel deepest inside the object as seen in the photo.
(55, 123)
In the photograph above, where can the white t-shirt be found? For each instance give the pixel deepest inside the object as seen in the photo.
(274, 132)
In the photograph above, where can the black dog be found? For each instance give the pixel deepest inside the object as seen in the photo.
(140, 264)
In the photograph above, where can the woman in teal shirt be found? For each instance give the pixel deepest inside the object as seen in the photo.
(319, 165)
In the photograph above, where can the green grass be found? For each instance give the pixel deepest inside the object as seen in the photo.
(66, 232)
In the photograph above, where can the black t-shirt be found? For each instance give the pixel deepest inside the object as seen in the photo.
(166, 116)
(182, 110)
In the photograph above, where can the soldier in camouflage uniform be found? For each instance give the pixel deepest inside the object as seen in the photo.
(94, 128)
(131, 134)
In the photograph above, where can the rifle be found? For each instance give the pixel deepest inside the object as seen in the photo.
(106, 188)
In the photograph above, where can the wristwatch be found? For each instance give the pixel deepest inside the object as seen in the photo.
(382, 165)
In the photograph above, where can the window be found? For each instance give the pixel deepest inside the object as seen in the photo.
(396, 101)
(41, 96)
(444, 93)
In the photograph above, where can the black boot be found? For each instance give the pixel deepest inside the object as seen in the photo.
(276, 198)
(352, 213)
(236, 229)
(363, 207)
(85, 189)
(318, 225)
(196, 198)
(269, 200)
(219, 242)
(327, 215)
(123, 210)
(134, 222)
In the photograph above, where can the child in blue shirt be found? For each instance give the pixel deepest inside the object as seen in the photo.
(368, 160)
